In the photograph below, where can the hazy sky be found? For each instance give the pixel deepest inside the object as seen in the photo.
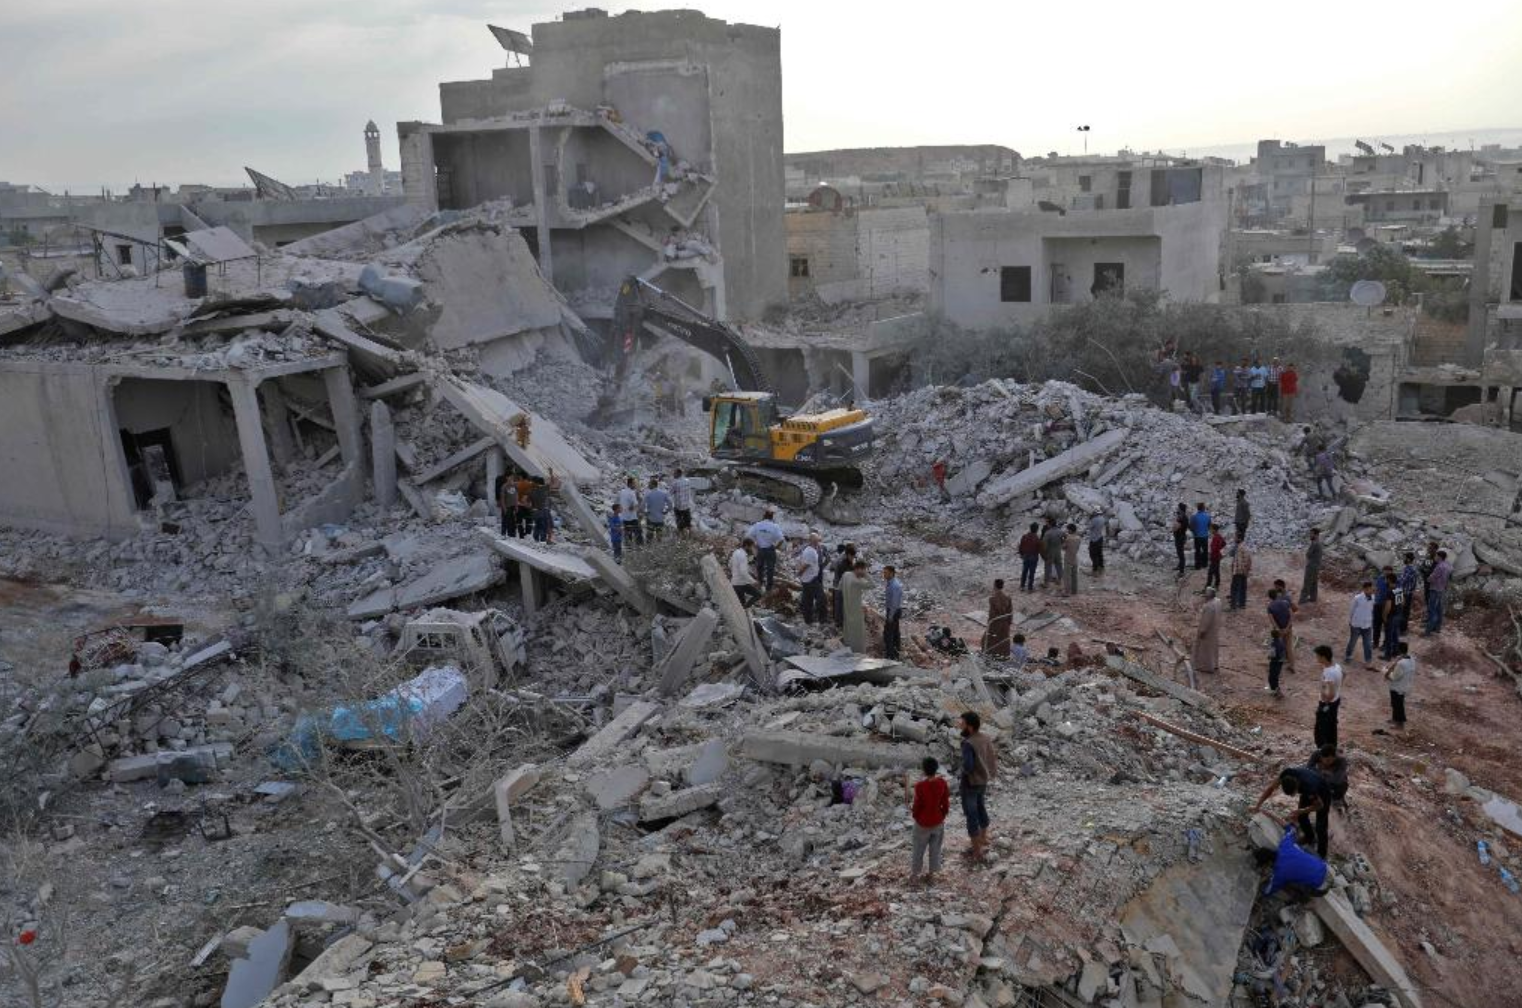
(100, 92)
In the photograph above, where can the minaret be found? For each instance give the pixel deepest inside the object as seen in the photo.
(377, 184)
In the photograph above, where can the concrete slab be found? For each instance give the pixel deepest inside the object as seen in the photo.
(454, 461)
(616, 788)
(1203, 907)
(557, 561)
(803, 748)
(577, 853)
(493, 413)
(737, 619)
(252, 979)
(508, 790)
(1382, 966)
(1148, 678)
(449, 580)
(679, 803)
(615, 577)
(690, 644)
(1076, 459)
(848, 668)
(613, 733)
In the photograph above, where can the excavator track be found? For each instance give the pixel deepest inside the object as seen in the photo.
(795, 490)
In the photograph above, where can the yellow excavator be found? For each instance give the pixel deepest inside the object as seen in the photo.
(783, 458)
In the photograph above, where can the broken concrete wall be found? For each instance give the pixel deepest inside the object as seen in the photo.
(487, 287)
(201, 428)
(56, 431)
(866, 253)
(713, 89)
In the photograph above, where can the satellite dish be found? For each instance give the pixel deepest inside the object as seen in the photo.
(1367, 293)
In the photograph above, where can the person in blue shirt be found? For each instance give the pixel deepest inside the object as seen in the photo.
(616, 532)
(1257, 377)
(1199, 524)
(1296, 869)
(893, 608)
(1217, 386)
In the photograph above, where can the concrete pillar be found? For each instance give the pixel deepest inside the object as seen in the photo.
(278, 424)
(256, 462)
(531, 589)
(542, 198)
(861, 374)
(495, 461)
(383, 453)
(345, 414)
(1479, 283)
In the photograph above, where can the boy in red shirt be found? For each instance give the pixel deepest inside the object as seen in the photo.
(929, 801)
(1217, 550)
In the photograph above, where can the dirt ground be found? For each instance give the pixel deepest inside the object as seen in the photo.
(1433, 892)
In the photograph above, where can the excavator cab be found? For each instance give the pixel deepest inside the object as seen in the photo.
(739, 425)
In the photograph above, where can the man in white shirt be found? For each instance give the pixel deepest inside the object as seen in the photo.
(681, 500)
(1400, 675)
(767, 535)
(1330, 702)
(629, 506)
(739, 573)
(1361, 623)
(811, 577)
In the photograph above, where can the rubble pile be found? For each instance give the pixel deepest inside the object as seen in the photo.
(990, 431)
(735, 815)
(1454, 484)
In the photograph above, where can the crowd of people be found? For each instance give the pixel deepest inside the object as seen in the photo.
(1249, 387)
(1380, 617)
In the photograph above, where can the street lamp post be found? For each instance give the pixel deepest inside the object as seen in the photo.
(1085, 131)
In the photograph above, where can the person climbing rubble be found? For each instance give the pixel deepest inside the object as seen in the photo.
(1309, 787)
(740, 577)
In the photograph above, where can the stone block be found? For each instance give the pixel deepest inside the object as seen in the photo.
(617, 787)
(679, 803)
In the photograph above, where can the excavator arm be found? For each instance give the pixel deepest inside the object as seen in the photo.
(644, 307)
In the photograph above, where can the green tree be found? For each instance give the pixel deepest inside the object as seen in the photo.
(1448, 244)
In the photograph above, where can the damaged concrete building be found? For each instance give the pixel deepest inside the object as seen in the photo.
(645, 144)
(993, 268)
(843, 252)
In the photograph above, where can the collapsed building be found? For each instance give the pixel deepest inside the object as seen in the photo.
(645, 144)
(437, 763)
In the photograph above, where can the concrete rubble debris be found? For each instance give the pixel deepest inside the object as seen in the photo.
(613, 734)
(679, 663)
(251, 979)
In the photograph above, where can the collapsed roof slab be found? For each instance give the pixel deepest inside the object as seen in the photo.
(493, 413)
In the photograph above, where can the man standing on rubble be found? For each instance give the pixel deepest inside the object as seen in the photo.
(1199, 524)
(1001, 618)
(1409, 580)
(656, 503)
(740, 578)
(1330, 702)
(853, 589)
(1258, 385)
(1180, 534)
(1437, 589)
(1324, 470)
(1361, 623)
(1241, 570)
(1030, 555)
(1097, 542)
(1241, 380)
(681, 501)
(629, 507)
(1243, 515)
(767, 535)
(539, 501)
(1289, 387)
(1207, 637)
(1217, 552)
(979, 766)
(893, 610)
(1281, 617)
(507, 503)
(842, 566)
(1051, 553)
(1309, 582)
(811, 578)
(1217, 386)
(1070, 544)
(525, 515)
